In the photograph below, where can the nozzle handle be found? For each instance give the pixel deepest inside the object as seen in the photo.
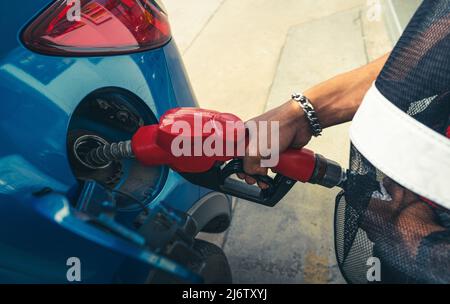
(295, 165)
(236, 166)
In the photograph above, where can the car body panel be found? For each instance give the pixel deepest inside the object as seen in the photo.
(38, 95)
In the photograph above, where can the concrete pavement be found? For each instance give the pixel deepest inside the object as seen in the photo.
(247, 56)
(233, 59)
(188, 19)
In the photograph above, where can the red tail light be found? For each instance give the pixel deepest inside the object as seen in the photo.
(103, 27)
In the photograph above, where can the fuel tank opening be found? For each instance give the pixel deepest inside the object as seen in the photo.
(102, 118)
(103, 155)
(82, 148)
(80, 143)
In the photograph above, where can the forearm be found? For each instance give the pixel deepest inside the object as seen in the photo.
(337, 100)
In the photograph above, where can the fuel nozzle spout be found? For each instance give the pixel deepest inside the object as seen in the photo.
(107, 153)
(328, 173)
(305, 166)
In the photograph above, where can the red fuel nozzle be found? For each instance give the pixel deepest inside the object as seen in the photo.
(191, 127)
(152, 145)
(179, 141)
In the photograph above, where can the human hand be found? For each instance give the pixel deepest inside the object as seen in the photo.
(294, 132)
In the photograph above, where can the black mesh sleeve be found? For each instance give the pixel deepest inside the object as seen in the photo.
(434, 256)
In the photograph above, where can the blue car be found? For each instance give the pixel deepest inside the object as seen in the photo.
(75, 74)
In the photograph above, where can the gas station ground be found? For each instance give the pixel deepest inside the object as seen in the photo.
(247, 56)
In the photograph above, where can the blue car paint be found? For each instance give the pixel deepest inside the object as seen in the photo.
(40, 233)
(38, 95)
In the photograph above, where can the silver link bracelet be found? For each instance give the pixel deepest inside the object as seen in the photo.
(310, 113)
